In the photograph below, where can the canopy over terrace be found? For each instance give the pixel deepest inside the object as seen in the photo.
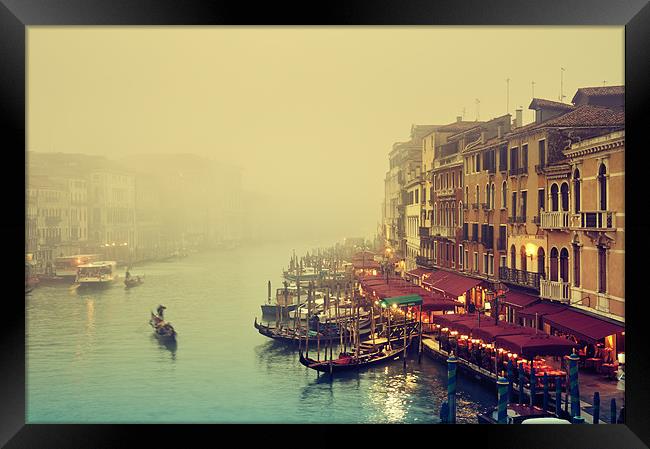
(434, 302)
(519, 300)
(448, 319)
(533, 345)
(449, 283)
(418, 272)
(583, 326)
(401, 301)
(541, 309)
(489, 333)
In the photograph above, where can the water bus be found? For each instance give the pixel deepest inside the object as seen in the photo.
(97, 274)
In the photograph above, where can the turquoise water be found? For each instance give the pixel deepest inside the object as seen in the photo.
(92, 358)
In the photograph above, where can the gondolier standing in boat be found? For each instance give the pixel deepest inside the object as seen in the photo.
(161, 311)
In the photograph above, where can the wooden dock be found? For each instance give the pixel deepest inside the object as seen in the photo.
(431, 347)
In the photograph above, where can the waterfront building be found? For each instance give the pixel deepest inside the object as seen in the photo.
(412, 190)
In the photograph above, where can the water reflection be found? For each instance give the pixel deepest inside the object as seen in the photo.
(167, 345)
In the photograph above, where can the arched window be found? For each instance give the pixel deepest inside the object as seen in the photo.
(564, 265)
(466, 195)
(504, 194)
(602, 187)
(513, 257)
(487, 195)
(576, 264)
(576, 190)
(564, 193)
(522, 254)
(554, 203)
(554, 263)
(435, 214)
(492, 197)
(478, 197)
(540, 263)
(453, 214)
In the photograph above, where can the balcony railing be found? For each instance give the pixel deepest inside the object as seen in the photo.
(503, 168)
(554, 220)
(424, 231)
(512, 220)
(518, 171)
(604, 220)
(520, 219)
(52, 221)
(445, 192)
(423, 262)
(443, 231)
(539, 169)
(519, 277)
(558, 291)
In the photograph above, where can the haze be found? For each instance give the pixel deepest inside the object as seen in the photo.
(308, 114)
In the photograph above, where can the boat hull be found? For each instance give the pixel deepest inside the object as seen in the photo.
(270, 309)
(340, 365)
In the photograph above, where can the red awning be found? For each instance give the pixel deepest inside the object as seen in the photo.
(532, 345)
(433, 301)
(489, 333)
(365, 264)
(455, 285)
(585, 327)
(448, 319)
(434, 276)
(519, 299)
(541, 308)
(418, 272)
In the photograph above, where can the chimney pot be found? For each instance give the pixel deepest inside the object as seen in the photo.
(459, 118)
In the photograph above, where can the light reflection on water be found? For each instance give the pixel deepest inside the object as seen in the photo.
(92, 357)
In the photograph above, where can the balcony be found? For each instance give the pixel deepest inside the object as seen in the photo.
(512, 220)
(558, 291)
(443, 231)
(519, 277)
(52, 221)
(518, 171)
(520, 219)
(554, 220)
(449, 191)
(423, 262)
(539, 169)
(594, 221)
(424, 232)
(503, 168)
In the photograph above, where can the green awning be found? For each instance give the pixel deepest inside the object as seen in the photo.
(401, 301)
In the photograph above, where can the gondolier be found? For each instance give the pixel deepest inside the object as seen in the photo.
(161, 311)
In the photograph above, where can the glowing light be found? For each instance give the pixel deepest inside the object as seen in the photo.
(531, 249)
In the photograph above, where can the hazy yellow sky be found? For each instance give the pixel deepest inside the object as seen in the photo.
(310, 114)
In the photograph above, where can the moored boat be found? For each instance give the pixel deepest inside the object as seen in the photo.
(133, 281)
(97, 274)
(351, 361)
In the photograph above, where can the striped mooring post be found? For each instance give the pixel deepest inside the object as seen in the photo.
(510, 379)
(502, 400)
(545, 398)
(578, 420)
(573, 380)
(452, 363)
(596, 407)
(533, 385)
(522, 380)
(612, 411)
(558, 396)
(444, 413)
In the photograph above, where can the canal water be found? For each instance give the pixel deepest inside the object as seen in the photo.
(92, 358)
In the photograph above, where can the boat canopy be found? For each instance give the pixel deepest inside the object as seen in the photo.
(400, 301)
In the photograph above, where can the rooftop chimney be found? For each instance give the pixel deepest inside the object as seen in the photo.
(499, 131)
(518, 117)
(459, 118)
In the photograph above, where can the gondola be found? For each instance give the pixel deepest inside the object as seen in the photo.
(133, 281)
(347, 362)
(162, 329)
(289, 335)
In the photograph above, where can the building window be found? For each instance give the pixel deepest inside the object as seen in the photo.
(576, 191)
(417, 195)
(492, 196)
(524, 203)
(542, 153)
(576, 265)
(602, 187)
(513, 257)
(460, 256)
(602, 269)
(564, 265)
(460, 213)
(504, 194)
(466, 259)
(478, 197)
(554, 264)
(491, 264)
(485, 263)
(540, 263)
(524, 155)
(476, 261)
(487, 195)
(554, 198)
(466, 195)
(514, 158)
(564, 193)
(540, 199)
(524, 259)
(503, 261)
(514, 204)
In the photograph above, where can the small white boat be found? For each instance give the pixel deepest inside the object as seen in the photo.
(97, 274)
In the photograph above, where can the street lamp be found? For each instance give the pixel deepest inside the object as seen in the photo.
(494, 296)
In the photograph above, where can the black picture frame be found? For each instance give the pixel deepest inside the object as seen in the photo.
(16, 15)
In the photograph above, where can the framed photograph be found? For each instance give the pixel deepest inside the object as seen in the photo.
(374, 214)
